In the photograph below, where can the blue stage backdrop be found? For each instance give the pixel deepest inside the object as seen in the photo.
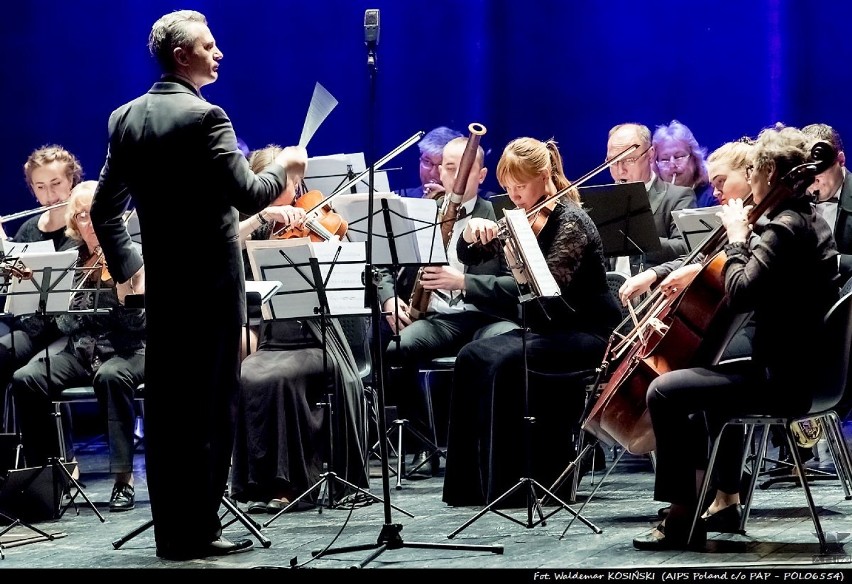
(567, 69)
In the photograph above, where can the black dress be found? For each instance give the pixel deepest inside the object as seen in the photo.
(486, 453)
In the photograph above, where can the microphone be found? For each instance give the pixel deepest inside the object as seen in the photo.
(371, 28)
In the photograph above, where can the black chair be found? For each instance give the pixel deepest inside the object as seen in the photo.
(831, 380)
(86, 394)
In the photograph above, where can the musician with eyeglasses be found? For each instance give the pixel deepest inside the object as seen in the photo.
(104, 348)
(431, 148)
(680, 161)
(664, 197)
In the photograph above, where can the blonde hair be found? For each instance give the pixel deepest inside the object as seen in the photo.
(80, 200)
(735, 154)
(525, 159)
(263, 157)
(782, 147)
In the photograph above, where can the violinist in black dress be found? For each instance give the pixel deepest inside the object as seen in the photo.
(568, 333)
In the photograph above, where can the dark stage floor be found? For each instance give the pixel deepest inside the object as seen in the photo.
(780, 532)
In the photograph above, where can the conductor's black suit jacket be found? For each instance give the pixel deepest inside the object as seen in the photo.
(175, 156)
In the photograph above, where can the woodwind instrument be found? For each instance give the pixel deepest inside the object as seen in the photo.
(418, 302)
(22, 214)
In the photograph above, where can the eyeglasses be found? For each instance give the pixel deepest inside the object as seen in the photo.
(428, 164)
(749, 171)
(630, 162)
(678, 160)
(82, 218)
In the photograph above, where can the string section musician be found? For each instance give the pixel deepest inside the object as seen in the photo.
(463, 301)
(485, 454)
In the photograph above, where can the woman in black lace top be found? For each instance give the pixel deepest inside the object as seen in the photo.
(567, 333)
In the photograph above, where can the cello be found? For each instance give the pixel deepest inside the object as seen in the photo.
(688, 329)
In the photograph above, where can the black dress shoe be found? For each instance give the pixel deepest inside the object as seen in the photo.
(673, 537)
(725, 521)
(217, 547)
(123, 498)
(223, 547)
(423, 466)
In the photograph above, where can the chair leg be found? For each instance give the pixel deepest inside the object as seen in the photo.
(757, 465)
(839, 452)
(800, 467)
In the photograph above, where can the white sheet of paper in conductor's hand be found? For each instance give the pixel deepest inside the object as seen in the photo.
(52, 275)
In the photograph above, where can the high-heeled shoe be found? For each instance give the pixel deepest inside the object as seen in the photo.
(673, 536)
(725, 521)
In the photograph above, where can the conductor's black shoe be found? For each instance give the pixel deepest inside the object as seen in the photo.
(123, 498)
(423, 466)
(217, 547)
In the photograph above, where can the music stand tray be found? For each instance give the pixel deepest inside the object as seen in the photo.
(622, 214)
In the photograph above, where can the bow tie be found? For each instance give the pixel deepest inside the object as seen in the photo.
(462, 214)
(835, 200)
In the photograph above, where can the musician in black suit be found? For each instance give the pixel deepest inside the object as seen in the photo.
(664, 197)
(176, 156)
(832, 190)
(463, 302)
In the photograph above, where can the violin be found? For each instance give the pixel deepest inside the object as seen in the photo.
(322, 223)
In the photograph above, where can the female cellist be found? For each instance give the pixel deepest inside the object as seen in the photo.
(793, 258)
(485, 455)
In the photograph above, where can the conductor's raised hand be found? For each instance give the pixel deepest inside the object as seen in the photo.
(480, 230)
(294, 159)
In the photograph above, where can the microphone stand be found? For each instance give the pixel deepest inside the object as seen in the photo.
(389, 537)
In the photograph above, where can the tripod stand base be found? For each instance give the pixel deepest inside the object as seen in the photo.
(249, 524)
(390, 539)
(533, 504)
(325, 479)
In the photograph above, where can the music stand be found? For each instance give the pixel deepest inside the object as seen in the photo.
(49, 290)
(416, 241)
(327, 173)
(622, 214)
(317, 281)
(535, 281)
(384, 243)
(696, 224)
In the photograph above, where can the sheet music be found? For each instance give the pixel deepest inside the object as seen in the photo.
(696, 225)
(53, 271)
(327, 173)
(297, 296)
(541, 280)
(14, 248)
(417, 236)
